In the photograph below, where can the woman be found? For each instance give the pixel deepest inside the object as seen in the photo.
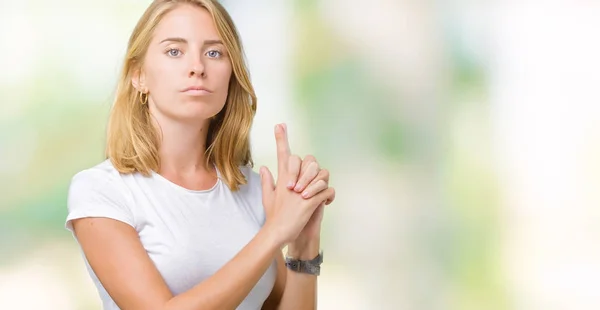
(175, 218)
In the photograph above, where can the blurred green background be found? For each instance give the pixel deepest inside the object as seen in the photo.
(462, 139)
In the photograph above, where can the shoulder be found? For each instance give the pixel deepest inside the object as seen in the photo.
(96, 175)
(98, 191)
(102, 177)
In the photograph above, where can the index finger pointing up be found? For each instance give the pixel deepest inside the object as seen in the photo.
(283, 149)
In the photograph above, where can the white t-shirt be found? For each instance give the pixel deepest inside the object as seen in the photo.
(189, 235)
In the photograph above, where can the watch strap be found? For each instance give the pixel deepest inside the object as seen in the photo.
(312, 266)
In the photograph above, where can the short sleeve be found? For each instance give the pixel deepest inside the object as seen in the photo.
(96, 193)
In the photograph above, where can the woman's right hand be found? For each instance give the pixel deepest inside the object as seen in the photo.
(286, 211)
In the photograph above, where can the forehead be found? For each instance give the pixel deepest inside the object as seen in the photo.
(187, 21)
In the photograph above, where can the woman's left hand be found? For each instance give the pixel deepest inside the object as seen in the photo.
(311, 180)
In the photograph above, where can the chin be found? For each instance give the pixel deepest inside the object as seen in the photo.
(198, 112)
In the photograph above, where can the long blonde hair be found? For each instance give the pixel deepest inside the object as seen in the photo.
(132, 141)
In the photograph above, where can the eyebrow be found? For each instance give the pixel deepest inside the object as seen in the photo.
(182, 40)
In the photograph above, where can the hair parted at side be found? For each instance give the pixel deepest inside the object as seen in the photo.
(132, 141)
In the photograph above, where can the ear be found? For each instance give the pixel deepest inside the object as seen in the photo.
(138, 81)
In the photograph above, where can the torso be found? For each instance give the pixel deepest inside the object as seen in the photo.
(189, 235)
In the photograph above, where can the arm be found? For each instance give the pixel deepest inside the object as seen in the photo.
(294, 290)
(127, 273)
(300, 288)
(274, 299)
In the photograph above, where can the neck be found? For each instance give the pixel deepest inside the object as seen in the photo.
(182, 147)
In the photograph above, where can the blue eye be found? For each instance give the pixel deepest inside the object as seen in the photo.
(174, 52)
(214, 53)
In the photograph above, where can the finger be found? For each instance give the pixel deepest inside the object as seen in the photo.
(322, 196)
(283, 148)
(266, 179)
(314, 189)
(306, 161)
(330, 200)
(308, 176)
(322, 175)
(294, 163)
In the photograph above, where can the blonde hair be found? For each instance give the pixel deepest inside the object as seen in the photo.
(132, 141)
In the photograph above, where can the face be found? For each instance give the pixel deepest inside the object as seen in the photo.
(186, 70)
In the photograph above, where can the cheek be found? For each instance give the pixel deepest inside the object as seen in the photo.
(161, 76)
(223, 75)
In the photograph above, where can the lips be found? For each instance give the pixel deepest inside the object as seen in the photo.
(197, 88)
(197, 91)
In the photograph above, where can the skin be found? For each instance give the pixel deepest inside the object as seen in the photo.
(185, 52)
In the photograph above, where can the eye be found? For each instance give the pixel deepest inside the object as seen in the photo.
(214, 53)
(173, 52)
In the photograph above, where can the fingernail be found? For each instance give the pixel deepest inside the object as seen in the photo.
(305, 194)
(277, 128)
(290, 184)
(284, 126)
(297, 188)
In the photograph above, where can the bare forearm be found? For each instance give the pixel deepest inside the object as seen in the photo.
(300, 288)
(228, 287)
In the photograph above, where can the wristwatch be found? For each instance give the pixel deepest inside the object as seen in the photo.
(312, 266)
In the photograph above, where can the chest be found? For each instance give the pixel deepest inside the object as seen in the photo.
(190, 237)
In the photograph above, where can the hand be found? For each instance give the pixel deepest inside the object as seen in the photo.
(311, 182)
(312, 179)
(287, 212)
(308, 179)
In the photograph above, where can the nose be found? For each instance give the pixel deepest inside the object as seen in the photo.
(197, 67)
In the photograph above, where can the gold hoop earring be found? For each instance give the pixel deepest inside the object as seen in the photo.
(143, 98)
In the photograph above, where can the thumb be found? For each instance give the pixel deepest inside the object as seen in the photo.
(266, 180)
